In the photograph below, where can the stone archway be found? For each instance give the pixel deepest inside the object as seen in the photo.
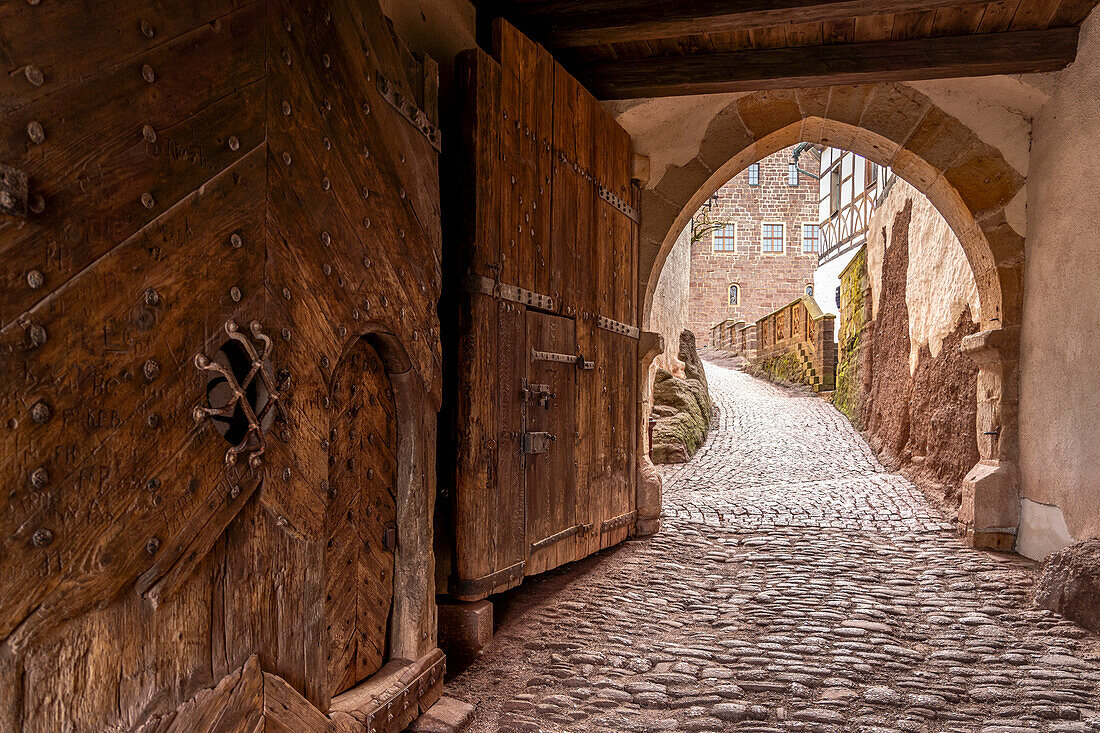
(966, 179)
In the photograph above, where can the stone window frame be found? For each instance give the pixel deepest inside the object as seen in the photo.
(782, 237)
(809, 289)
(816, 249)
(733, 295)
(729, 241)
(753, 174)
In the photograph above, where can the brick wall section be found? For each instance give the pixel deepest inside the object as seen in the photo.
(767, 281)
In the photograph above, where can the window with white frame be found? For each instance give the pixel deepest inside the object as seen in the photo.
(811, 239)
(792, 174)
(754, 174)
(771, 238)
(725, 238)
(735, 294)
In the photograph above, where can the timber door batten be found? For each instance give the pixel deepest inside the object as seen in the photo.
(547, 341)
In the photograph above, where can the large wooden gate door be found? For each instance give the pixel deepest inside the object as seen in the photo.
(549, 259)
(361, 526)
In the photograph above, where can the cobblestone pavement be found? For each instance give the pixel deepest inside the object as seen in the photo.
(796, 585)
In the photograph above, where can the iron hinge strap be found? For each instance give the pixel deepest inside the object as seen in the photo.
(622, 206)
(407, 109)
(513, 293)
(620, 521)
(577, 529)
(617, 327)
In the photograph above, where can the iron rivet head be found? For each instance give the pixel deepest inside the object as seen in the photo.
(325, 402)
(286, 158)
(40, 412)
(235, 240)
(286, 474)
(234, 143)
(286, 334)
(152, 545)
(286, 57)
(34, 75)
(366, 192)
(153, 421)
(324, 362)
(366, 262)
(355, 314)
(402, 193)
(42, 537)
(366, 152)
(326, 239)
(234, 491)
(366, 222)
(286, 24)
(401, 157)
(36, 133)
(37, 203)
(342, 331)
(326, 60)
(282, 521)
(146, 29)
(366, 109)
(147, 200)
(235, 294)
(284, 434)
(366, 304)
(326, 268)
(152, 297)
(385, 301)
(37, 335)
(35, 280)
(149, 133)
(327, 144)
(325, 183)
(33, 2)
(286, 108)
(148, 74)
(286, 294)
(40, 477)
(401, 233)
(151, 370)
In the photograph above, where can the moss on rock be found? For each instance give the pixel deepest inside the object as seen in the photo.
(682, 407)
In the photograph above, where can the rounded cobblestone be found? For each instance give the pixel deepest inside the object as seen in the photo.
(796, 585)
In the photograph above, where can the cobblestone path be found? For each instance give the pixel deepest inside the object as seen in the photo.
(796, 585)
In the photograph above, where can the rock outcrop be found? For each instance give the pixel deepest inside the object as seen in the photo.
(681, 407)
(1069, 583)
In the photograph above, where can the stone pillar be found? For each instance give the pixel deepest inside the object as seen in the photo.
(648, 498)
(990, 511)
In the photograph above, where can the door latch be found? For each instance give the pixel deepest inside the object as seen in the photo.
(537, 442)
(539, 393)
(389, 536)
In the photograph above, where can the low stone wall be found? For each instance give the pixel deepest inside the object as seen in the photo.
(736, 337)
(795, 344)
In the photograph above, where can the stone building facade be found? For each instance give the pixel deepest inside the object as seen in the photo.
(755, 243)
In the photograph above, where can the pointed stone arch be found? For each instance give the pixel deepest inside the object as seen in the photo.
(966, 179)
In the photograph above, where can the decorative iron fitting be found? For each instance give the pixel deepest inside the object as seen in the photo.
(13, 191)
(405, 106)
(616, 327)
(494, 289)
(625, 208)
(614, 523)
(402, 708)
(253, 441)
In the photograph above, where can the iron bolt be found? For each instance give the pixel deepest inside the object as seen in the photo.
(34, 75)
(286, 334)
(325, 183)
(153, 420)
(325, 238)
(152, 546)
(37, 203)
(36, 133)
(234, 491)
(146, 29)
(152, 297)
(324, 362)
(326, 268)
(235, 240)
(40, 412)
(286, 158)
(286, 474)
(235, 294)
(42, 537)
(40, 477)
(149, 133)
(234, 143)
(148, 74)
(37, 335)
(35, 280)
(151, 370)
(152, 484)
(286, 293)
(147, 200)
(286, 108)
(343, 331)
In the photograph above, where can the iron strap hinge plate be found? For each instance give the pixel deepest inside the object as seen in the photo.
(606, 194)
(577, 359)
(577, 529)
(403, 707)
(616, 327)
(622, 520)
(405, 106)
(492, 288)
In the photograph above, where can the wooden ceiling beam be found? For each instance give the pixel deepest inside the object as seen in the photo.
(1016, 52)
(569, 23)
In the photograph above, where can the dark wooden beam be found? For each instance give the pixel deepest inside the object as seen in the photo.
(566, 23)
(1018, 52)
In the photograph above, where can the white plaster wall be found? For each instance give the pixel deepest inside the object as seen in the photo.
(940, 283)
(1059, 386)
(669, 316)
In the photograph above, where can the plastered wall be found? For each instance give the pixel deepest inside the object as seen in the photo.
(940, 283)
(1059, 399)
(670, 303)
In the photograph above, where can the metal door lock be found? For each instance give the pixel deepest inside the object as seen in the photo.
(537, 442)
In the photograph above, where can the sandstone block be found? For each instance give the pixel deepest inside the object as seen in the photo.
(447, 715)
(465, 628)
(1069, 583)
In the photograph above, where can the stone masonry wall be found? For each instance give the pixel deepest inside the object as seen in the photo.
(767, 281)
(669, 315)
